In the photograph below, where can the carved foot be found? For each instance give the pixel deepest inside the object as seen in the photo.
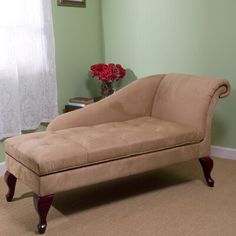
(42, 206)
(207, 165)
(10, 180)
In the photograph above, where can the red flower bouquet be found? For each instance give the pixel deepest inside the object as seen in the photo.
(107, 73)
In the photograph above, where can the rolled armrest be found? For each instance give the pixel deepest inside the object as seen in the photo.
(224, 89)
(190, 100)
(132, 101)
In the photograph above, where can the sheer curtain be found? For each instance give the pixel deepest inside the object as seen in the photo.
(27, 66)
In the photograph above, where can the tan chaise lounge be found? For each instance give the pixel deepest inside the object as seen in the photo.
(151, 123)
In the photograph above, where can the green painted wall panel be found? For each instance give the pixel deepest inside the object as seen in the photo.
(221, 62)
(1, 152)
(78, 36)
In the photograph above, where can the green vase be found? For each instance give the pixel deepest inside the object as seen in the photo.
(106, 88)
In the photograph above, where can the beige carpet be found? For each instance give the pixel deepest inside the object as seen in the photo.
(172, 201)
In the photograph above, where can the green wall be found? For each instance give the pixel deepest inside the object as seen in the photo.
(186, 36)
(78, 36)
(1, 152)
(222, 62)
(79, 43)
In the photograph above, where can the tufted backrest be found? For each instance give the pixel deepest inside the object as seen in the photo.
(185, 99)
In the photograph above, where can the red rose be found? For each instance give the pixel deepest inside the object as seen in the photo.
(107, 72)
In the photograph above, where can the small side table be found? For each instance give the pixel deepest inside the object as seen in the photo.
(70, 107)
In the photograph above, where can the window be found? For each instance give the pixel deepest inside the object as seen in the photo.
(27, 66)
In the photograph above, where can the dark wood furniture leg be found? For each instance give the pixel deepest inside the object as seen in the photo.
(207, 165)
(42, 206)
(10, 180)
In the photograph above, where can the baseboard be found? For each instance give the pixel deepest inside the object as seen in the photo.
(2, 168)
(223, 152)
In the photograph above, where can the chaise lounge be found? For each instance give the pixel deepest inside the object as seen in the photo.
(151, 123)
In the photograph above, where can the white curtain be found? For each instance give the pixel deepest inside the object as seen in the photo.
(27, 66)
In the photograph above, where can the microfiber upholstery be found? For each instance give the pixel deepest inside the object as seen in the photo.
(50, 152)
(151, 123)
(185, 99)
(133, 101)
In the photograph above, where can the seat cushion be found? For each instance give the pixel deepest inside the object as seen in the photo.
(54, 151)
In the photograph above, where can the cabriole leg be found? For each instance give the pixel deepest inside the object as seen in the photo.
(10, 180)
(42, 206)
(207, 165)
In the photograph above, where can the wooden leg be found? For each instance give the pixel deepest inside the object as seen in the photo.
(10, 180)
(207, 165)
(42, 206)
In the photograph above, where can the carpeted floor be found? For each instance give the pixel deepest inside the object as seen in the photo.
(174, 201)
